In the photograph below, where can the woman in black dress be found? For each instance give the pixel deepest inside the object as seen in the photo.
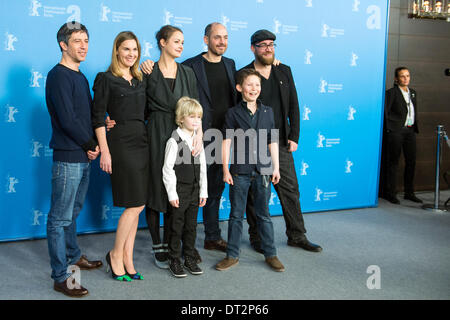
(120, 92)
(168, 82)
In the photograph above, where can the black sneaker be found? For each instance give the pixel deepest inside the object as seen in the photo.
(176, 268)
(191, 265)
(197, 257)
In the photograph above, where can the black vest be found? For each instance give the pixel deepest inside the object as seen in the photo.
(187, 167)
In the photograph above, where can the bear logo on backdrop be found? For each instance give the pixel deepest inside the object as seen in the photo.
(34, 6)
(323, 79)
(35, 77)
(10, 112)
(9, 42)
(11, 184)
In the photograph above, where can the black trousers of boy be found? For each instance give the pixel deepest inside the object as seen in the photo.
(289, 195)
(183, 221)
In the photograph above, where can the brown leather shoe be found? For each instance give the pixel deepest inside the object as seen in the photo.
(226, 264)
(77, 292)
(220, 245)
(85, 264)
(275, 264)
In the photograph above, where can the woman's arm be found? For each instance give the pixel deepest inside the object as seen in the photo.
(105, 157)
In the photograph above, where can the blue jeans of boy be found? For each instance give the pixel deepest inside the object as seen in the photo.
(238, 198)
(70, 183)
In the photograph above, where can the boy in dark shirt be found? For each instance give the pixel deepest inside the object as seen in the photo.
(251, 126)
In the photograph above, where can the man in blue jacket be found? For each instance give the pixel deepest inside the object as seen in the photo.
(69, 103)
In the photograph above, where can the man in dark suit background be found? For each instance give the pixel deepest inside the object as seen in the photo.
(400, 129)
(216, 85)
(278, 91)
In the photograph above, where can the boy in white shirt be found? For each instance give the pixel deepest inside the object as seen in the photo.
(184, 178)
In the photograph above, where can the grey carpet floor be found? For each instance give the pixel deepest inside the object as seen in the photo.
(409, 245)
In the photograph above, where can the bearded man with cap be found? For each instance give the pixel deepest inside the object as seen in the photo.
(278, 91)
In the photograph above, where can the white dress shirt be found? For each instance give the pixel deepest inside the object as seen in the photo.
(169, 177)
(410, 117)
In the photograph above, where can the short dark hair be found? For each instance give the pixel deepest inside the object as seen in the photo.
(67, 29)
(244, 74)
(397, 71)
(165, 32)
(209, 28)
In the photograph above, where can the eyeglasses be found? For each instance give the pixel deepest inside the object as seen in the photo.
(265, 45)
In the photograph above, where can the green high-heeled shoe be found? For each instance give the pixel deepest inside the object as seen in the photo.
(123, 278)
(135, 276)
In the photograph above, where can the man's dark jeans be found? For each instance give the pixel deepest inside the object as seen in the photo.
(289, 195)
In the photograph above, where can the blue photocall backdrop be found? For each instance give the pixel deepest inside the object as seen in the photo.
(336, 49)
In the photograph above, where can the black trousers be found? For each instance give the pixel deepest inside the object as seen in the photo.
(289, 195)
(396, 142)
(183, 221)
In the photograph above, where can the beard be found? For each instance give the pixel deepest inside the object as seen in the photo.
(215, 51)
(265, 60)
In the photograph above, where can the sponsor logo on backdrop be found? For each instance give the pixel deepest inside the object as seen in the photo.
(107, 15)
(353, 60)
(11, 184)
(323, 142)
(36, 215)
(167, 16)
(329, 32)
(306, 112)
(10, 112)
(308, 56)
(9, 41)
(278, 27)
(374, 20)
(171, 18)
(309, 3)
(318, 195)
(273, 196)
(109, 212)
(321, 195)
(35, 147)
(303, 169)
(233, 25)
(325, 87)
(51, 11)
(146, 49)
(223, 202)
(348, 166)
(34, 6)
(105, 210)
(35, 77)
(351, 113)
(225, 20)
(356, 4)
(320, 140)
(104, 11)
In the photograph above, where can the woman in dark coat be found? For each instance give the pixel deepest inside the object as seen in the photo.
(168, 82)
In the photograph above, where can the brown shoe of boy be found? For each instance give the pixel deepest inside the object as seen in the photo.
(226, 264)
(275, 264)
